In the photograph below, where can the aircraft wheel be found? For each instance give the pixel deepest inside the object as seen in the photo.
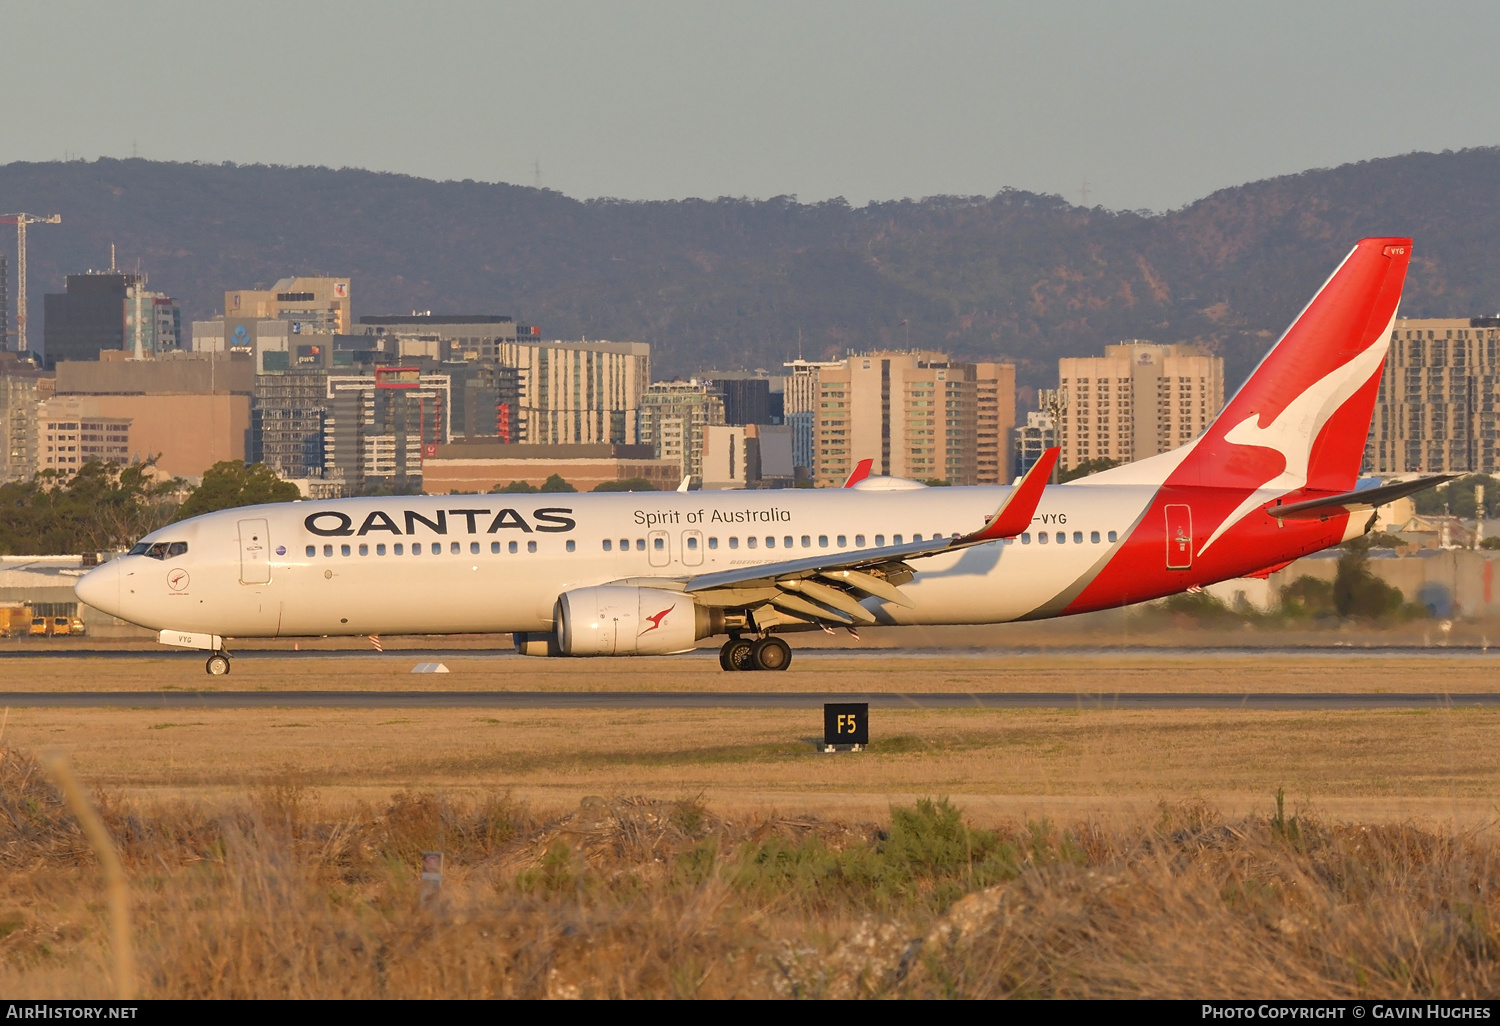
(735, 655)
(218, 664)
(771, 654)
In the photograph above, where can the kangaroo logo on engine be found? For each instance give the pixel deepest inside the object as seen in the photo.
(657, 618)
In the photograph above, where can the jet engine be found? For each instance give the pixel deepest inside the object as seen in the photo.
(615, 620)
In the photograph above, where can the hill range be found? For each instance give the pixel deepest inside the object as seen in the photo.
(748, 283)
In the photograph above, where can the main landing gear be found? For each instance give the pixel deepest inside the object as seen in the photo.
(769, 653)
(218, 664)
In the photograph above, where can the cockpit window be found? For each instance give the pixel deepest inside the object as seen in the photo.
(160, 550)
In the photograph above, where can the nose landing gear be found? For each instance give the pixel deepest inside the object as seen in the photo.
(769, 653)
(218, 664)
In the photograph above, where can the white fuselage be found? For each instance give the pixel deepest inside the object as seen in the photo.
(497, 563)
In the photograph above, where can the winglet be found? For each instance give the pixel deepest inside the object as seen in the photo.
(1015, 513)
(859, 473)
(685, 482)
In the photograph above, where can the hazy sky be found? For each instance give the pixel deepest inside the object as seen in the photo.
(1155, 104)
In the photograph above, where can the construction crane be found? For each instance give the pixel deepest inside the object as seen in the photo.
(21, 221)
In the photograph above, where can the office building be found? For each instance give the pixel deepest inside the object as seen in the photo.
(994, 421)
(1438, 408)
(1037, 436)
(71, 431)
(470, 467)
(573, 393)
(379, 427)
(187, 410)
(449, 337)
(731, 457)
(312, 305)
(22, 386)
(915, 414)
(800, 400)
(747, 397)
(287, 422)
(673, 416)
(88, 317)
(1137, 400)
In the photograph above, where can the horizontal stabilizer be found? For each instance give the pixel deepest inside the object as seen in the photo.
(1353, 502)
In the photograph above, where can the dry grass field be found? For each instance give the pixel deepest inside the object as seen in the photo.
(1090, 852)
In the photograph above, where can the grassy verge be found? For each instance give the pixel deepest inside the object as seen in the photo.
(285, 896)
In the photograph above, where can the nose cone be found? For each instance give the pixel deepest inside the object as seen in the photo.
(100, 588)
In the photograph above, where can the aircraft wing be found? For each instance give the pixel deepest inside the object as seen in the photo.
(1354, 502)
(829, 586)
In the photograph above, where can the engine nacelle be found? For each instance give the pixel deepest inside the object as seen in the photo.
(621, 620)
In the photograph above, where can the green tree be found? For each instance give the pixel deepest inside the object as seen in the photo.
(1358, 592)
(629, 484)
(230, 484)
(1086, 468)
(514, 488)
(555, 483)
(102, 507)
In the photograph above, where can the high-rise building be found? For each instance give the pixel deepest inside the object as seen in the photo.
(22, 386)
(1137, 400)
(995, 417)
(1031, 441)
(287, 422)
(315, 305)
(800, 400)
(576, 393)
(673, 416)
(1438, 409)
(187, 410)
(916, 414)
(381, 426)
(71, 431)
(88, 317)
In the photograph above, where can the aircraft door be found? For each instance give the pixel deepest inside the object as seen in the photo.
(692, 548)
(1179, 537)
(659, 548)
(255, 552)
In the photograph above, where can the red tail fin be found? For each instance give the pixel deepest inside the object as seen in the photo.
(1302, 417)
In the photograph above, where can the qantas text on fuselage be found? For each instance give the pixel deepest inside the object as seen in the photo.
(1273, 478)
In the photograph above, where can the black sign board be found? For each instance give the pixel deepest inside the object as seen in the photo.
(846, 723)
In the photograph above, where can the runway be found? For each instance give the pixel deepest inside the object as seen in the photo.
(732, 700)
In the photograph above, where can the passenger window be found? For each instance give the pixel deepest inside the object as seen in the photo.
(1041, 537)
(713, 543)
(435, 548)
(513, 548)
(770, 542)
(344, 550)
(380, 550)
(823, 541)
(624, 544)
(879, 541)
(416, 548)
(640, 545)
(364, 550)
(327, 550)
(750, 542)
(571, 545)
(807, 542)
(859, 541)
(692, 543)
(916, 537)
(1026, 538)
(734, 542)
(312, 550)
(895, 539)
(531, 546)
(398, 549)
(1062, 536)
(608, 545)
(495, 547)
(453, 548)
(473, 548)
(786, 542)
(1077, 537)
(657, 543)
(1111, 536)
(1094, 537)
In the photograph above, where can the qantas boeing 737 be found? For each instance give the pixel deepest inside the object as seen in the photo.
(1273, 478)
